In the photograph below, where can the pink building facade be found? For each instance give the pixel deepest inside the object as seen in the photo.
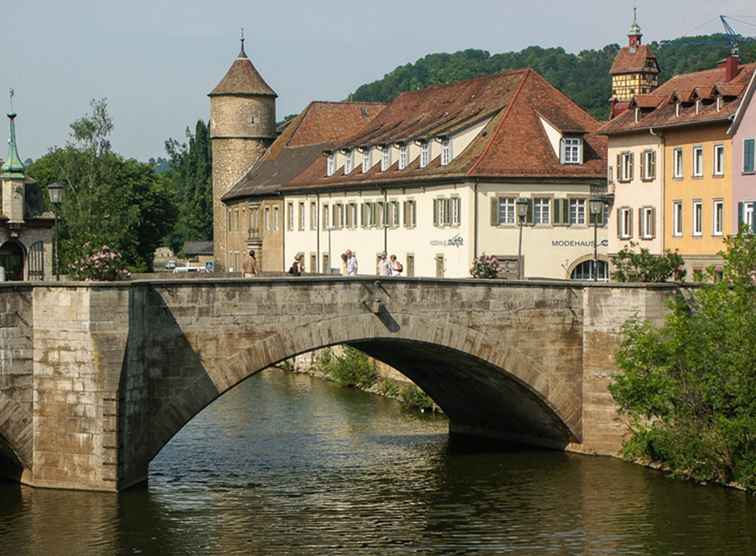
(743, 132)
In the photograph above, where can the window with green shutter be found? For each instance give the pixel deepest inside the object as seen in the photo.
(748, 155)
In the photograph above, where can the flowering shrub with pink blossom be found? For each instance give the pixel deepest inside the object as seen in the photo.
(485, 267)
(101, 265)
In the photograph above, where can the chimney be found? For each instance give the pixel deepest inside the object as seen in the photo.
(730, 65)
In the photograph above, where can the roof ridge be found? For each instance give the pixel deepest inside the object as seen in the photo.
(501, 123)
(480, 77)
(345, 102)
(542, 79)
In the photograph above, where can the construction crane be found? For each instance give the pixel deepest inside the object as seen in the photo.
(732, 35)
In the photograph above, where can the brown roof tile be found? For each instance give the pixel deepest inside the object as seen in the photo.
(242, 78)
(630, 60)
(687, 88)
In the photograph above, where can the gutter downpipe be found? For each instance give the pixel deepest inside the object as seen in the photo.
(385, 222)
(662, 181)
(475, 222)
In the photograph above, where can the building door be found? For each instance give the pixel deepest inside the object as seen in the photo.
(12, 260)
(37, 261)
(410, 265)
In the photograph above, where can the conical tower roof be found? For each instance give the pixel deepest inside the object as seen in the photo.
(242, 78)
(12, 168)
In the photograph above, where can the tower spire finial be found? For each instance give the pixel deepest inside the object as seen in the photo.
(11, 94)
(242, 54)
(13, 167)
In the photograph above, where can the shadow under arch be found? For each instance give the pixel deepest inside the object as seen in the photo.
(11, 467)
(15, 439)
(484, 387)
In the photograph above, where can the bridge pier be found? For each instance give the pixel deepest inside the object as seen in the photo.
(96, 378)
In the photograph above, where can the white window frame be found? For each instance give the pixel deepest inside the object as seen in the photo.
(578, 217)
(749, 141)
(425, 154)
(717, 218)
(267, 220)
(410, 213)
(749, 213)
(275, 219)
(677, 219)
(446, 151)
(331, 164)
(678, 163)
(542, 211)
(507, 210)
(403, 156)
(338, 216)
(719, 160)
(626, 160)
(301, 216)
(697, 218)
(456, 211)
(386, 158)
(572, 150)
(646, 222)
(698, 161)
(326, 209)
(626, 220)
(349, 161)
(649, 159)
(367, 159)
(313, 216)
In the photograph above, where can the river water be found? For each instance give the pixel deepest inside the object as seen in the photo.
(291, 464)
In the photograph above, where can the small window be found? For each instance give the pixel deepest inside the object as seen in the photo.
(313, 215)
(648, 171)
(326, 217)
(266, 219)
(393, 214)
(542, 211)
(677, 219)
(719, 160)
(677, 163)
(410, 213)
(747, 215)
(446, 152)
(718, 223)
(338, 216)
(425, 154)
(367, 159)
(331, 164)
(349, 162)
(577, 211)
(403, 156)
(507, 210)
(647, 223)
(275, 219)
(456, 216)
(351, 215)
(572, 150)
(584, 271)
(290, 216)
(625, 223)
(749, 146)
(410, 265)
(697, 218)
(386, 158)
(698, 161)
(625, 167)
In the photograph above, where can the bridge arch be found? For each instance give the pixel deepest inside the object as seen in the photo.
(16, 440)
(485, 387)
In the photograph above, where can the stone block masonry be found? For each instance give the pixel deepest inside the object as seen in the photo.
(96, 378)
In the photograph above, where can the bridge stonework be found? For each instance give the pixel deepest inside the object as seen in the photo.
(96, 378)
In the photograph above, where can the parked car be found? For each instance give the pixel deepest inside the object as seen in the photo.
(170, 265)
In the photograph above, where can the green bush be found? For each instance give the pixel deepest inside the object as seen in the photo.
(388, 388)
(414, 398)
(351, 368)
(639, 265)
(689, 387)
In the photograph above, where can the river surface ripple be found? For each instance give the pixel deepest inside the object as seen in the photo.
(288, 464)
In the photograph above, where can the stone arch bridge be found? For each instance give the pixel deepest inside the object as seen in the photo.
(96, 378)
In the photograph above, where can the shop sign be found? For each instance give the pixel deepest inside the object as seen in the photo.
(577, 243)
(455, 241)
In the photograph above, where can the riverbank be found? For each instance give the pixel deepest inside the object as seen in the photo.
(351, 368)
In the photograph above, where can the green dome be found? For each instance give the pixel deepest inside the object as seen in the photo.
(12, 167)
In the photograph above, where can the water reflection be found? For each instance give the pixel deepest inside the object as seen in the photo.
(286, 463)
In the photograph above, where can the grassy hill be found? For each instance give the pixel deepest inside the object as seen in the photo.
(583, 76)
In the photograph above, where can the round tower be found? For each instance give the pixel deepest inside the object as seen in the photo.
(242, 126)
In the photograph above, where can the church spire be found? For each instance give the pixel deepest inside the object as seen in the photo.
(635, 34)
(12, 168)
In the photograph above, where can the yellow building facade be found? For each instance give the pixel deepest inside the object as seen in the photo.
(697, 193)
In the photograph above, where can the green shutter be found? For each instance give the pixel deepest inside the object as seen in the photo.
(748, 155)
(741, 215)
(529, 218)
(494, 211)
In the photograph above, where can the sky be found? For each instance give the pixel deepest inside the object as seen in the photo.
(156, 60)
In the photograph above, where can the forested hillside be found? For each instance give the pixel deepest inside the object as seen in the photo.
(583, 76)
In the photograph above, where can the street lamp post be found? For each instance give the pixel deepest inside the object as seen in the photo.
(596, 208)
(522, 214)
(55, 191)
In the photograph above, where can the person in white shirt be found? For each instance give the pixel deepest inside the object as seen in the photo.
(384, 266)
(351, 265)
(396, 266)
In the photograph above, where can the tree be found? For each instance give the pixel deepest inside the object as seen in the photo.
(631, 265)
(189, 181)
(688, 388)
(110, 201)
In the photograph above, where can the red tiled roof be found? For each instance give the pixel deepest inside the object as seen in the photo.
(242, 78)
(634, 59)
(512, 144)
(301, 143)
(683, 87)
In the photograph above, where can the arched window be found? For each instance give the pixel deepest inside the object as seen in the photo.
(584, 271)
(37, 261)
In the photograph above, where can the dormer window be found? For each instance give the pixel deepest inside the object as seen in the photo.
(331, 164)
(425, 154)
(367, 159)
(637, 114)
(677, 109)
(446, 151)
(719, 104)
(698, 106)
(349, 162)
(403, 156)
(386, 159)
(572, 150)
